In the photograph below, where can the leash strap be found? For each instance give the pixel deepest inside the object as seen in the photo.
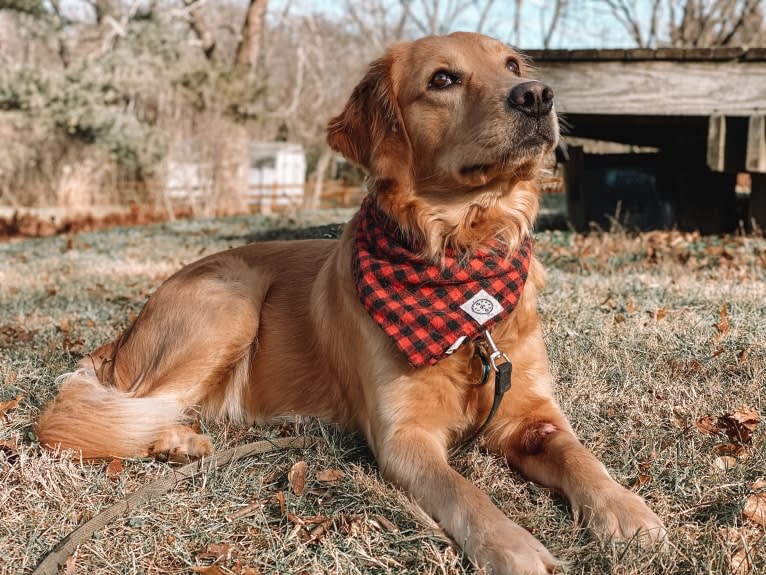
(503, 372)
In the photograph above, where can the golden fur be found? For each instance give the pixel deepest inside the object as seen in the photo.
(270, 329)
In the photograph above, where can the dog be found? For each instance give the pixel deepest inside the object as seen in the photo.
(389, 330)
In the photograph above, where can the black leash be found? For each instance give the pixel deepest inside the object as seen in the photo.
(501, 364)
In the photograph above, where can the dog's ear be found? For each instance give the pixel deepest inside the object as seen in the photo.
(370, 131)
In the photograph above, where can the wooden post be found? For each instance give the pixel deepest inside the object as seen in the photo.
(716, 143)
(756, 144)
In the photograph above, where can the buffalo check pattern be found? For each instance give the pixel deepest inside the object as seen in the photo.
(426, 308)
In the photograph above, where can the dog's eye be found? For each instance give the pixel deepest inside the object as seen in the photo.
(442, 79)
(513, 66)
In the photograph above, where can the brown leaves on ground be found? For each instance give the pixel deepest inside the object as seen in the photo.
(222, 560)
(722, 327)
(9, 405)
(329, 475)
(744, 539)
(309, 529)
(114, 468)
(11, 335)
(297, 477)
(740, 541)
(739, 427)
(731, 257)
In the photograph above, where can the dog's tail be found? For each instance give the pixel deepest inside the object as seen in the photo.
(102, 422)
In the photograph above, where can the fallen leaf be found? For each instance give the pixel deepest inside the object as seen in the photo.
(9, 446)
(114, 468)
(722, 327)
(10, 378)
(740, 425)
(280, 497)
(708, 425)
(730, 449)
(630, 306)
(11, 404)
(740, 562)
(642, 479)
(295, 520)
(64, 326)
(724, 463)
(319, 531)
(72, 345)
(215, 552)
(660, 314)
(755, 508)
(220, 549)
(608, 304)
(297, 477)
(350, 524)
(330, 475)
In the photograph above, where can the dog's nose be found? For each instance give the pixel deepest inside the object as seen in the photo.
(533, 98)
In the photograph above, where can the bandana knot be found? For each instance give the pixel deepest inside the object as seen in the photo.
(430, 310)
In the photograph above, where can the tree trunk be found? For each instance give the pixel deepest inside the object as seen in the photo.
(250, 44)
(197, 23)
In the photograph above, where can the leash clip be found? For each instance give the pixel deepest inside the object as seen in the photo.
(495, 353)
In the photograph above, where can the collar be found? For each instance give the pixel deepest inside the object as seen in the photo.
(430, 310)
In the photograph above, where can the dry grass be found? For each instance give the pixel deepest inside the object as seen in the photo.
(638, 344)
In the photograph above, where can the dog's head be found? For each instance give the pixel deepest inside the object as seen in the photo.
(450, 128)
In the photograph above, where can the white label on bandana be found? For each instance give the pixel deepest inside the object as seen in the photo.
(482, 307)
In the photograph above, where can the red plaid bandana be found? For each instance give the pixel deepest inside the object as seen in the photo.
(430, 310)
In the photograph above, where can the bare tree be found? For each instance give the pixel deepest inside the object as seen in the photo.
(688, 23)
(199, 26)
(628, 13)
(250, 44)
(715, 23)
(437, 16)
(559, 11)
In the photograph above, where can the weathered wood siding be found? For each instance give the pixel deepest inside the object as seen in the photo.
(629, 82)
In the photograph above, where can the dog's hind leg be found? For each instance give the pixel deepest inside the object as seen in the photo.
(189, 350)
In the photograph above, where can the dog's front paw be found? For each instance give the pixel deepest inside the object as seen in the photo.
(514, 551)
(620, 514)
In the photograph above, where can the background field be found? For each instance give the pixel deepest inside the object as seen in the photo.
(647, 335)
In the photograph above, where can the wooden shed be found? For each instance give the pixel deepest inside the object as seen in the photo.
(701, 113)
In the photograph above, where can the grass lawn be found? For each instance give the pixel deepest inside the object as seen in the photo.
(658, 347)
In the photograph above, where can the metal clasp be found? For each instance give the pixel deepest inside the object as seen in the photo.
(495, 353)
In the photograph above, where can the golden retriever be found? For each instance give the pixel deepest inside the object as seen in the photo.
(451, 131)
